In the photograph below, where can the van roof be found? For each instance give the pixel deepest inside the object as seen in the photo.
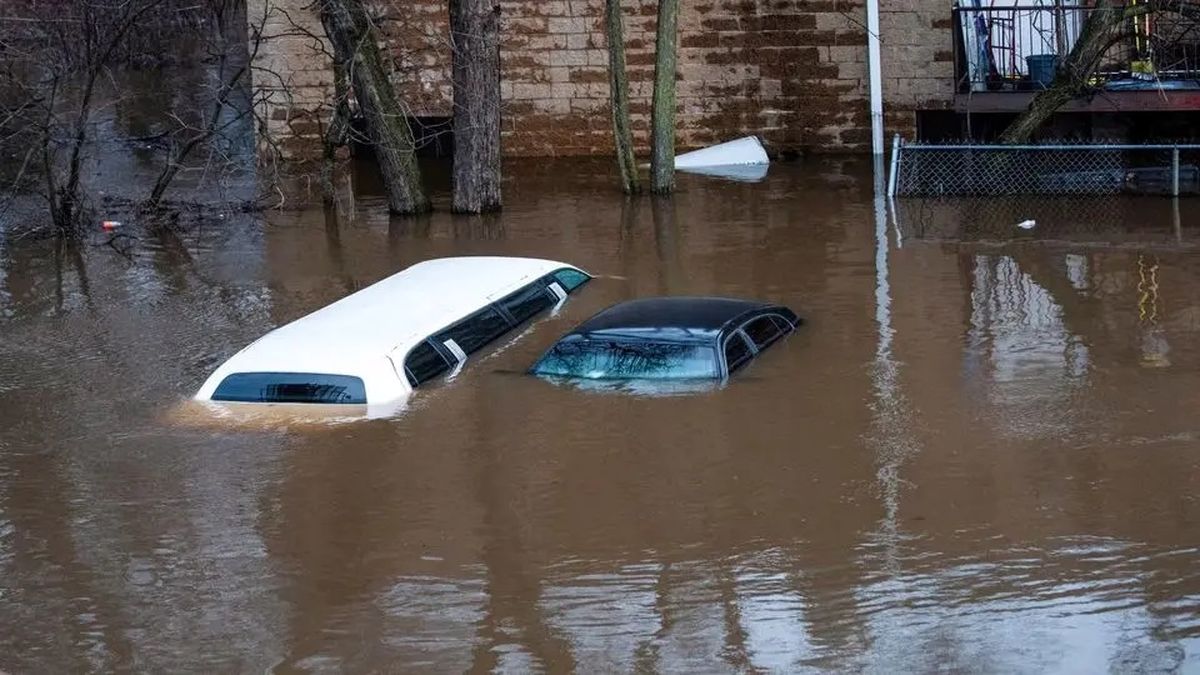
(394, 314)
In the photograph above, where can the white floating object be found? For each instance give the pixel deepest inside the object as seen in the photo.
(1027, 224)
(748, 150)
(745, 173)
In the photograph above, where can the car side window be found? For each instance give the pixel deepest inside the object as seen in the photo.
(477, 330)
(737, 352)
(423, 363)
(763, 331)
(783, 324)
(527, 302)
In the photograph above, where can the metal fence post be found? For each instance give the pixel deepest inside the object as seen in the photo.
(1175, 172)
(891, 191)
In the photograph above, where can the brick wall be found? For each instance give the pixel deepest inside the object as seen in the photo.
(293, 77)
(790, 71)
(918, 61)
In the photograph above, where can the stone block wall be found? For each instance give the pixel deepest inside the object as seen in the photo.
(292, 75)
(918, 60)
(791, 71)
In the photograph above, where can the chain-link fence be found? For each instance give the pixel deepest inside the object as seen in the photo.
(919, 169)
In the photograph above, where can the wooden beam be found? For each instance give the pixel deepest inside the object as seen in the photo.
(1105, 101)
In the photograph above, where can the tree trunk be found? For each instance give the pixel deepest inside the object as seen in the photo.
(355, 43)
(619, 95)
(475, 45)
(662, 124)
(338, 132)
(1101, 29)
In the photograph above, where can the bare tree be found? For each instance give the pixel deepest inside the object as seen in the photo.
(355, 43)
(662, 124)
(475, 49)
(66, 67)
(230, 79)
(619, 97)
(50, 80)
(337, 133)
(1106, 25)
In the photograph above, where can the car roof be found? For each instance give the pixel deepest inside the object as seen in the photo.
(354, 334)
(678, 316)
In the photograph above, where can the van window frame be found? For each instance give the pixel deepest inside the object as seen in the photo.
(553, 277)
(463, 324)
(413, 381)
(437, 338)
(352, 385)
(542, 284)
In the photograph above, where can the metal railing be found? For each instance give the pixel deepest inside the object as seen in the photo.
(919, 169)
(1018, 48)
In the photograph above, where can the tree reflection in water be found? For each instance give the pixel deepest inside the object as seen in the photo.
(628, 359)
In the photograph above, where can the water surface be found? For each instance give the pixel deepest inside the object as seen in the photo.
(979, 454)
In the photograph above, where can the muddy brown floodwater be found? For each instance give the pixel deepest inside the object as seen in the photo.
(981, 453)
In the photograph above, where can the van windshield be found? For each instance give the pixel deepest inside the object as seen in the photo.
(291, 388)
(613, 359)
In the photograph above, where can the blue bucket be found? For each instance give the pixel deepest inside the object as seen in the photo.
(1042, 68)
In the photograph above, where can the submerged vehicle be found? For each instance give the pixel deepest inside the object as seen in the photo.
(668, 339)
(376, 345)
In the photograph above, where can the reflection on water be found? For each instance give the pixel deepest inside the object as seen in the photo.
(978, 454)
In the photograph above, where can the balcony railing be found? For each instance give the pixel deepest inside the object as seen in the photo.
(1019, 47)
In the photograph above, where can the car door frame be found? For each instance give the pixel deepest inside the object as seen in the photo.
(755, 350)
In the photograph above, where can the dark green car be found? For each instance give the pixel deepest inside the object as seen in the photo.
(668, 339)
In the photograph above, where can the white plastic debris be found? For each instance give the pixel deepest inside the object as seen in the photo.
(748, 150)
(743, 173)
(1027, 224)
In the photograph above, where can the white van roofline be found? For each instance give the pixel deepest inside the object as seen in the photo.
(367, 334)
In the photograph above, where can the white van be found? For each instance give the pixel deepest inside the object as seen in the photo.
(374, 346)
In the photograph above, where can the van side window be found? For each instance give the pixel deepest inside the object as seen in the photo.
(423, 363)
(570, 279)
(476, 330)
(527, 302)
(762, 331)
(737, 352)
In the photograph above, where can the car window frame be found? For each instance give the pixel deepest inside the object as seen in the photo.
(750, 352)
(770, 316)
(755, 350)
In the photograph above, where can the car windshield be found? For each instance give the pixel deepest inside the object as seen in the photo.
(600, 359)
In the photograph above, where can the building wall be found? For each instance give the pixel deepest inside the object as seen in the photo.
(791, 71)
(918, 60)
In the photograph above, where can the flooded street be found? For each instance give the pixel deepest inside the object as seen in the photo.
(981, 453)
